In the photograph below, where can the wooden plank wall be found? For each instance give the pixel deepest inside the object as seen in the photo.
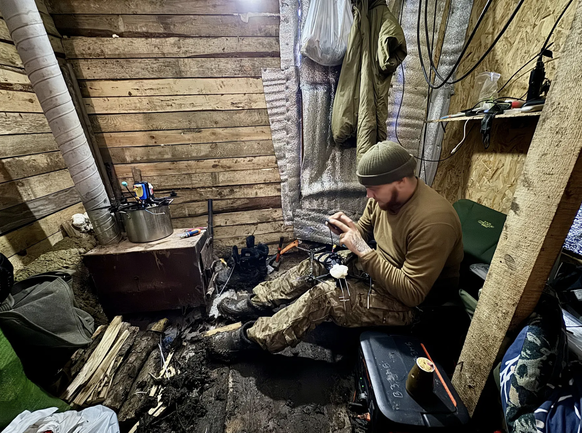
(36, 190)
(173, 88)
(489, 176)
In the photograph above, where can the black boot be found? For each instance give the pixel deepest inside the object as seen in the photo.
(228, 346)
(241, 308)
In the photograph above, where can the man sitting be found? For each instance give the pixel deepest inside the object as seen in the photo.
(418, 250)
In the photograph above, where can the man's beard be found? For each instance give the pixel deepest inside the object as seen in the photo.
(392, 204)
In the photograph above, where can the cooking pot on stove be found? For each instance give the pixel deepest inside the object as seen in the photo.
(147, 224)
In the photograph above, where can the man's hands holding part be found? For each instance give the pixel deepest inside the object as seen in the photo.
(348, 233)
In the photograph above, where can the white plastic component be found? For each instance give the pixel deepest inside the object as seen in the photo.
(339, 271)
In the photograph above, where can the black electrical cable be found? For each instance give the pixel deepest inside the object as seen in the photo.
(400, 106)
(517, 72)
(501, 33)
(545, 46)
(531, 69)
(429, 90)
(403, 82)
(455, 66)
(465, 47)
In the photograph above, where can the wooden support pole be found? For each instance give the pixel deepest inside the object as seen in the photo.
(545, 203)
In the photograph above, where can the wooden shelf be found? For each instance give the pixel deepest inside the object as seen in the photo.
(480, 116)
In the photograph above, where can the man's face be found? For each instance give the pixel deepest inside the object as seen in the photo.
(385, 195)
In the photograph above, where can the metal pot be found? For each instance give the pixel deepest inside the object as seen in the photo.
(146, 225)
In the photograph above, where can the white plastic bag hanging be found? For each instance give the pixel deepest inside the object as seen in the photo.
(325, 34)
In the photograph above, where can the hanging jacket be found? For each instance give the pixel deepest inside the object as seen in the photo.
(376, 47)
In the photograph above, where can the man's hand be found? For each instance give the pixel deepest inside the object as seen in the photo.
(349, 234)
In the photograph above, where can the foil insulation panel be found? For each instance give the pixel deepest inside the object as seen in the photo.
(328, 173)
(317, 177)
(282, 94)
(408, 99)
(289, 33)
(574, 238)
(458, 21)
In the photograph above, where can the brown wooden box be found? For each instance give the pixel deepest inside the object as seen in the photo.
(161, 275)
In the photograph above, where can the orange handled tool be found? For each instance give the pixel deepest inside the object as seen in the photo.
(293, 244)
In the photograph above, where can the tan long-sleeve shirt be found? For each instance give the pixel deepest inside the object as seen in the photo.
(417, 247)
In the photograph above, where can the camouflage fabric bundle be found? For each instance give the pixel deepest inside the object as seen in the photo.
(531, 367)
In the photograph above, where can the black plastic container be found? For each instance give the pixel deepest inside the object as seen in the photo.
(384, 363)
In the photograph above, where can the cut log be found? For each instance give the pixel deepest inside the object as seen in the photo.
(103, 367)
(100, 393)
(159, 326)
(226, 328)
(126, 374)
(139, 400)
(94, 360)
(80, 357)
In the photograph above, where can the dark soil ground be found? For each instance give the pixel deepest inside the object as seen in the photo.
(302, 389)
(68, 254)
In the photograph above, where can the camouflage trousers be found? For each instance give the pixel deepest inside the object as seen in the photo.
(353, 304)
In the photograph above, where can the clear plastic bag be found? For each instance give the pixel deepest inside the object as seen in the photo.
(485, 89)
(325, 34)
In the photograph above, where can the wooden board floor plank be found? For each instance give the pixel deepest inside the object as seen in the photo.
(257, 216)
(35, 250)
(162, 7)
(4, 32)
(11, 76)
(19, 102)
(179, 119)
(225, 193)
(158, 104)
(23, 123)
(97, 69)
(30, 165)
(196, 209)
(80, 47)
(30, 188)
(31, 234)
(26, 144)
(200, 166)
(25, 213)
(9, 56)
(127, 155)
(133, 26)
(183, 136)
(225, 245)
(170, 87)
(238, 231)
(198, 180)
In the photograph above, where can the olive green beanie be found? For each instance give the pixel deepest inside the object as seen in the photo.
(386, 162)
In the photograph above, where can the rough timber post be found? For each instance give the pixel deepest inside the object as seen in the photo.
(546, 200)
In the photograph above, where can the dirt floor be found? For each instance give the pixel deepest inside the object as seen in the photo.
(302, 389)
(68, 255)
